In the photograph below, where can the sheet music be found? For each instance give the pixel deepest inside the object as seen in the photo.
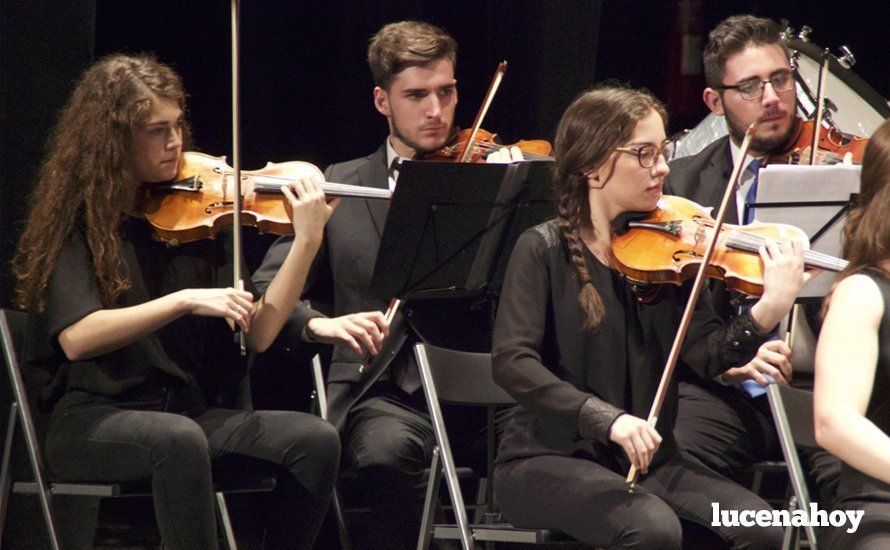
(800, 189)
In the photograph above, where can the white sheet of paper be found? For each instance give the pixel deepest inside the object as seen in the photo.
(802, 188)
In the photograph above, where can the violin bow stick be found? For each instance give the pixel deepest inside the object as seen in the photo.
(483, 110)
(633, 475)
(820, 100)
(236, 166)
(390, 314)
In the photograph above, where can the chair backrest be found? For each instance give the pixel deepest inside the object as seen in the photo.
(805, 337)
(463, 377)
(798, 406)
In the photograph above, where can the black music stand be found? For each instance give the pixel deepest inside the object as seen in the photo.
(451, 226)
(815, 199)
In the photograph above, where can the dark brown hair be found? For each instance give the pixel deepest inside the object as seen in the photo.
(398, 46)
(867, 230)
(84, 182)
(733, 35)
(593, 125)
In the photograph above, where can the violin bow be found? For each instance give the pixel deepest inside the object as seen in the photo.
(820, 100)
(633, 475)
(236, 166)
(483, 110)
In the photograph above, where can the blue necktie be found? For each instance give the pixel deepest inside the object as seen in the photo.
(751, 197)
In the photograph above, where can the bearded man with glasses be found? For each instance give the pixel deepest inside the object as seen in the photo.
(724, 423)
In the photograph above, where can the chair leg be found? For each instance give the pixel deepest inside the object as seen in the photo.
(5, 477)
(226, 521)
(341, 521)
(432, 401)
(43, 489)
(789, 450)
(430, 502)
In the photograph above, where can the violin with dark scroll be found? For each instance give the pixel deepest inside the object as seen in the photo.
(474, 144)
(484, 143)
(200, 201)
(834, 146)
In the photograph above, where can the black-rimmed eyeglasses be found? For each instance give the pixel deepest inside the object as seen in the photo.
(752, 90)
(648, 154)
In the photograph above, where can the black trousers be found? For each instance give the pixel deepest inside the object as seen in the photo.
(92, 438)
(591, 503)
(728, 431)
(388, 444)
(873, 532)
(723, 428)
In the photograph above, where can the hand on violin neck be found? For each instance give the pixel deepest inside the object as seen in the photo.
(783, 278)
(308, 210)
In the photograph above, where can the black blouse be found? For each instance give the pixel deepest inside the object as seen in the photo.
(545, 359)
(190, 349)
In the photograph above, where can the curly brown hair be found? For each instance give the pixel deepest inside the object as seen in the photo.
(594, 124)
(84, 183)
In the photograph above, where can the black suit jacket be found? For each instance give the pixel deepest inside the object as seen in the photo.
(702, 178)
(340, 283)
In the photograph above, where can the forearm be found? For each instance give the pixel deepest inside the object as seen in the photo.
(108, 330)
(282, 295)
(767, 313)
(857, 441)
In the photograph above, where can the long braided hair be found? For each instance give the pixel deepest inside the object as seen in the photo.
(85, 181)
(594, 124)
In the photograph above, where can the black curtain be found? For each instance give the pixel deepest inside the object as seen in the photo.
(43, 47)
(306, 87)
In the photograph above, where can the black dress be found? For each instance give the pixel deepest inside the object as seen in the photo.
(557, 467)
(856, 490)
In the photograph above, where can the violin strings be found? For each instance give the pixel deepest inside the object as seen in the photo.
(755, 242)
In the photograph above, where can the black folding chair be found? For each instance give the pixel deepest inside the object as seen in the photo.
(463, 378)
(14, 332)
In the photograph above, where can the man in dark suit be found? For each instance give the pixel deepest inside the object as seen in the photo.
(728, 426)
(386, 429)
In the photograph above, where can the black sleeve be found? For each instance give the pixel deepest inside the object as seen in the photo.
(517, 345)
(711, 347)
(73, 292)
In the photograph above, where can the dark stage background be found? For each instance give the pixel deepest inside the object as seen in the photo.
(306, 88)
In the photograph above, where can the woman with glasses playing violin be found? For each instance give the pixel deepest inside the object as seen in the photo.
(139, 332)
(583, 356)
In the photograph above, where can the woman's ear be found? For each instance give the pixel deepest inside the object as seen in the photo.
(595, 179)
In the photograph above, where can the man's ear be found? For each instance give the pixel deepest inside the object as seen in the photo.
(381, 101)
(713, 100)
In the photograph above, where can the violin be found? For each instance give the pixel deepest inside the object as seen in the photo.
(200, 201)
(474, 144)
(834, 145)
(483, 143)
(667, 246)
